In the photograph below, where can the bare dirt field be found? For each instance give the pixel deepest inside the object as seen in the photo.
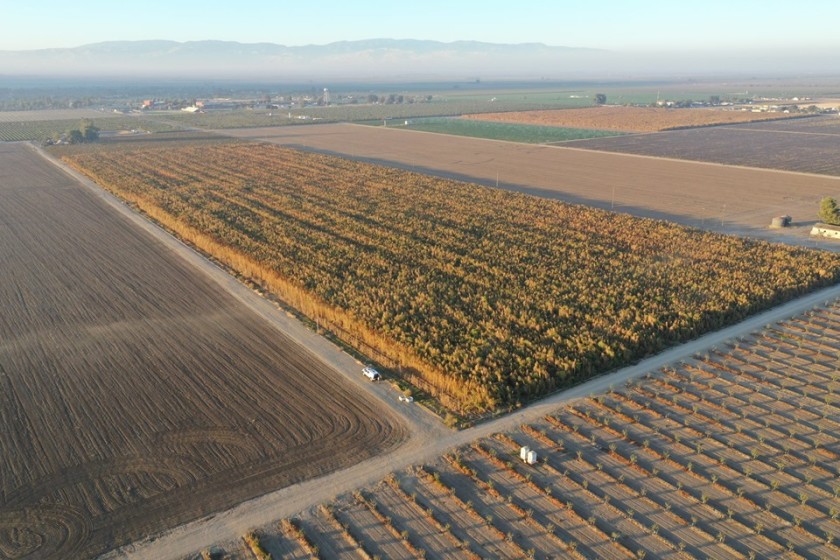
(135, 393)
(721, 198)
(732, 453)
(801, 145)
(629, 119)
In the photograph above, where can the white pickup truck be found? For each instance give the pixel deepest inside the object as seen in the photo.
(371, 374)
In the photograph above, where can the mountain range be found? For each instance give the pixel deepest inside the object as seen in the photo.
(390, 59)
(375, 58)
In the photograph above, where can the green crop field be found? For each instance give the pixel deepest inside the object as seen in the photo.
(21, 131)
(525, 98)
(532, 134)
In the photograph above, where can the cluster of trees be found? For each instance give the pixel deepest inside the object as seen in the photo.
(488, 297)
(85, 132)
(396, 99)
(829, 211)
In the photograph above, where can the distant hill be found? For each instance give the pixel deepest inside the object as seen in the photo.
(374, 60)
(352, 60)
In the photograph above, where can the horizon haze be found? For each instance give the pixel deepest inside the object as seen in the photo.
(398, 60)
(433, 40)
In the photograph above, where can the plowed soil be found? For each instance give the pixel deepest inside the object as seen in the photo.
(629, 119)
(804, 145)
(135, 393)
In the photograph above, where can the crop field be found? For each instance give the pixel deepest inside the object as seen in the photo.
(727, 199)
(245, 118)
(730, 454)
(135, 393)
(482, 297)
(629, 119)
(826, 125)
(17, 131)
(54, 115)
(805, 145)
(512, 132)
(242, 118)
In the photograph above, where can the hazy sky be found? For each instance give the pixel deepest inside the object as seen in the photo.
(608, 24)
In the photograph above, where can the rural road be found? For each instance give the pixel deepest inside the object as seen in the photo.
(429, 437)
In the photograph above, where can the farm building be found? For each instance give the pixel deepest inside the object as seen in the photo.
(826, 230)
(780, 222)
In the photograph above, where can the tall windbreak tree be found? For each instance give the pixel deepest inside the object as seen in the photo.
(829, 212)
(89, 131)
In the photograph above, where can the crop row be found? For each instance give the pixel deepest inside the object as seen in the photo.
(485, 298)
(582, 500)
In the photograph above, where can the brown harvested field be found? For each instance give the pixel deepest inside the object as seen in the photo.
(822, 125)
(629, 119)
(728, 199)
(135, 393)
(801, 145)
(731, 454)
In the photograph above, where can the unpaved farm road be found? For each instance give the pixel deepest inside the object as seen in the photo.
(425, 447)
